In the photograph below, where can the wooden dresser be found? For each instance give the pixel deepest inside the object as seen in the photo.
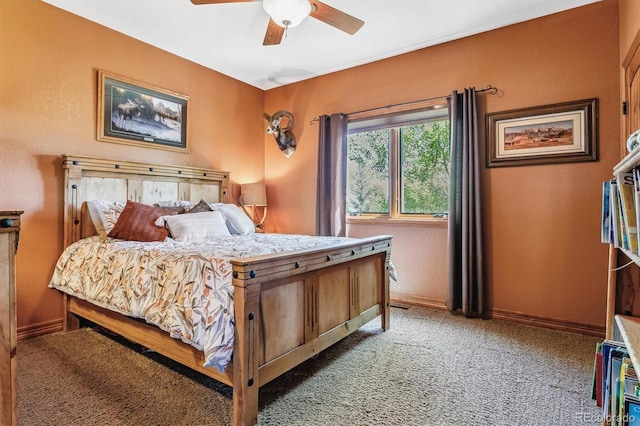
(9, 234)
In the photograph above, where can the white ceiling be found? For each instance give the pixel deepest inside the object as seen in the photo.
(228, 37)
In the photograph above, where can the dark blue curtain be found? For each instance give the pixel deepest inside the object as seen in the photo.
(466, 281)
(332, 175)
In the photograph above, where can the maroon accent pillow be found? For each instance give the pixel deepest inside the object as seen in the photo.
(201, 207)
(137, 223)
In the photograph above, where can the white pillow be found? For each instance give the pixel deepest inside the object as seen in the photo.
(195, 226)
(237, 221)
(104, 215)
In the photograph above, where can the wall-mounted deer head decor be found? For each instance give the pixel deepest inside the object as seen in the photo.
(282, 133)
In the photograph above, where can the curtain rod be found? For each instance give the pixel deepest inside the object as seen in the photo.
(492, 90)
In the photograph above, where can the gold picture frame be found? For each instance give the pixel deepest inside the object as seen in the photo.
(136, 113)
(557, 133)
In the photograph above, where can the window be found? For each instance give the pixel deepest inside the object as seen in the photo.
(398, 163)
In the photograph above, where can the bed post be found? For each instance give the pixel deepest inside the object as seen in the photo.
(246, 353)
(72, 220)
(69, 321)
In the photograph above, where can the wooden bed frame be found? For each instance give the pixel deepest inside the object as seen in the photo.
(288, 307)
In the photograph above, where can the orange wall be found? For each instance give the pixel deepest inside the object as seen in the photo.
(542, 223)
(543, 253)
(48, 88)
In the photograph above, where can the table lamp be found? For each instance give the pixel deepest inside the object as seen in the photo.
(254, 195)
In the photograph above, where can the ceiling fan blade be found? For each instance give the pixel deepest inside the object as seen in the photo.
(334, 17)
(218, 1)
(274, 34)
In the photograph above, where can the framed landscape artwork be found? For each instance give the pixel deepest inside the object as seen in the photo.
(136, 113)
(559, 133)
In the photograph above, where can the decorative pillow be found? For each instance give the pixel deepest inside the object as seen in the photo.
(202, 206)
(104, 215)
(237, 221)
(137, 223)
(195, 226)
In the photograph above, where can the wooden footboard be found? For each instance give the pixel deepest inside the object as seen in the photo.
(288, 307)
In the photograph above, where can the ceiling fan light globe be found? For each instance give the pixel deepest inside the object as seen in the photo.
(287, 13)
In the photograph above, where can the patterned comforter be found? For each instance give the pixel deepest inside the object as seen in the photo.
(182, 287)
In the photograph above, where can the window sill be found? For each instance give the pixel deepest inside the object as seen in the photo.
(379, 220)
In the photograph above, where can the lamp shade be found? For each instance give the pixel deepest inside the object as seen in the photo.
(254, 194)
(287, 13)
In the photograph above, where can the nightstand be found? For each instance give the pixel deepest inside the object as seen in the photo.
(9, 235)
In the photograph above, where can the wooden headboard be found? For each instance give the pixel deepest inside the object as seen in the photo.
(89, 178)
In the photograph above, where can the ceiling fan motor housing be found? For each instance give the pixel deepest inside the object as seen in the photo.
(287, 13)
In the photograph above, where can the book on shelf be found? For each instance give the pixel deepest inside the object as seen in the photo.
(621, 230)
(614, 213)
(596, 387)
(626, 188)
(636, 196)
(628, 388)
(605, 234)
(612, 354)
(615, 367)
(632, 412)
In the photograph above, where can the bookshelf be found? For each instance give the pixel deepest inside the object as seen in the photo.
(622, 325)
(615, 390)
(623, 287)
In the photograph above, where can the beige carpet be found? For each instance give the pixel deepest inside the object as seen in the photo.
(431, 368)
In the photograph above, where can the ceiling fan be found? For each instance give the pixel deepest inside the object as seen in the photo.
(285, 14)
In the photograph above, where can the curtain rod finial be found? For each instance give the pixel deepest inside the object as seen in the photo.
(492, 90)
